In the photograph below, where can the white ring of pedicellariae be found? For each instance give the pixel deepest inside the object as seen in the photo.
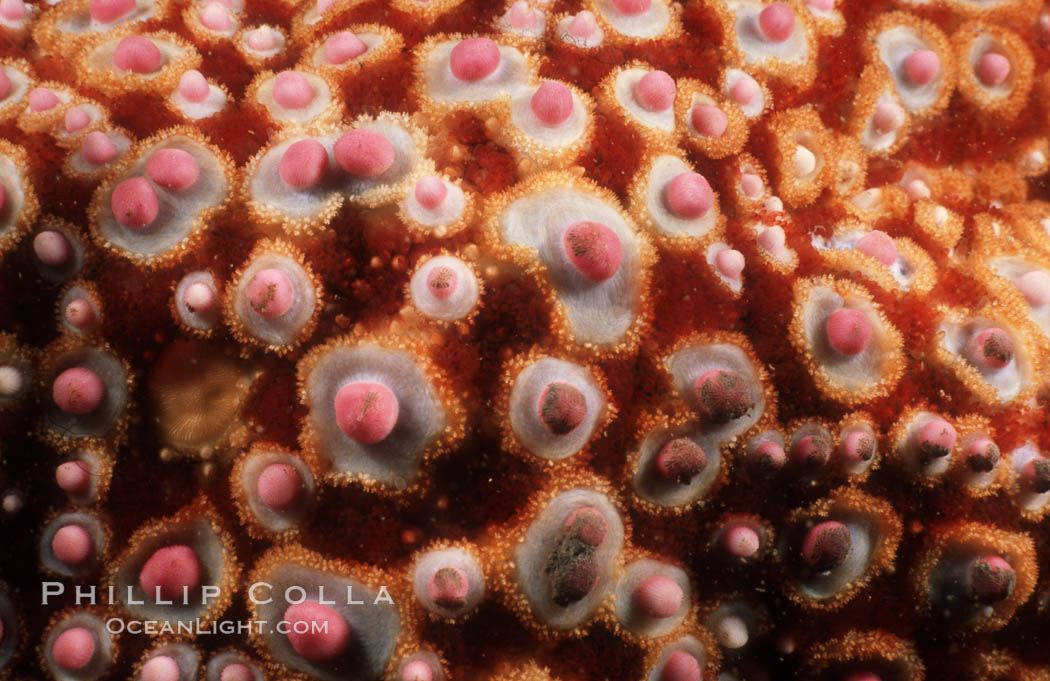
(759, 439)
(60, 92)
(394, 461)
(510, 76)
(757, 104)
(101, 58)
(178, 209)
(624, 88)
(711, 253)
(272, 519)
(91, 524)
(807, 143)
(593, 40)
(282, 329)
(314, 108)
(949, 579)
(651, 23)
(194, 318)
(830, 15)
(93, 466)
(753, 45)
(114, 399)
(374, 625)
(372, 41)
(16, 375)
(184, 655)
(856, 467)
(686, 644)
(268, 189)
(702, 98)
(219, 661)
(539, 23)
(816, 430)
(562, 135)
(14, 25)
(784, 254)
(525, 398)
(647, 481)
(200, 536)
(689, 363)
(956, 334)
(279, 40)
(872, 139)
(664, 169)
(908, 448)
(1013, 268)
(101, 660)
(83, 23)
(903, 271)
(599, 313)
(855, 372)
(428, 658)
(894, 46)
(981, 44)
(978, 479)
(213, 102)
(464, 297)
(1028, 500)
(531, 555)
(432, 561)
(863, 543)
(734, 623)
(70, 295)
(19, 86)
(638, 622)
(448, 212)
(121, 144)
(11, 178)
(718, 537)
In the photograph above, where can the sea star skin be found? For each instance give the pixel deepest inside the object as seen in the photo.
(835, 212)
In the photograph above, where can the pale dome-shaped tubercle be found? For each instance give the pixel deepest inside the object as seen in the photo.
(189, 548)
(918, 57)
(990, 350)
(652, 597)
(848, 345)
(429, 418)
(718, 377)
(448, 580)
(74, 544)
(835, 547)
(634, 22)
(274, 491)
(168, 662)
(363, 631)
(273, 301)
(71, 364)
(486, 70)
(551, 408)
(674, 202)
(515, 228)
(975, 574)
(446, 288)
(560, 568)
(76, 644)
(150, 209)
(676, 464)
